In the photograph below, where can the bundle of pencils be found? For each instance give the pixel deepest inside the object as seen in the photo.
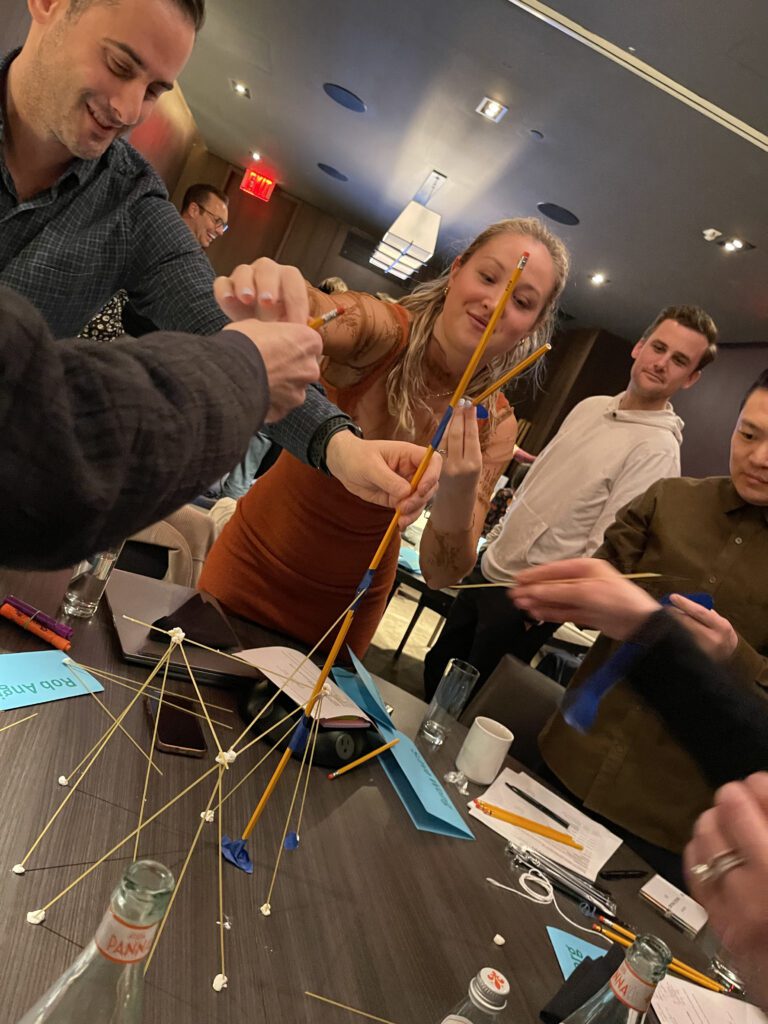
(624, 937)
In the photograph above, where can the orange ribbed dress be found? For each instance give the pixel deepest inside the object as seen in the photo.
(298, 544)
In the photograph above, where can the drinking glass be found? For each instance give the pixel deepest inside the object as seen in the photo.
(88, 583)
(450, 697)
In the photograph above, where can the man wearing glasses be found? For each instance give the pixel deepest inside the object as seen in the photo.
(205, 211)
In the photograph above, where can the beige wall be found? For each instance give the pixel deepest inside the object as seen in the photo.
(14, 22)
(201, 165)
(167, 136)
(286, 229)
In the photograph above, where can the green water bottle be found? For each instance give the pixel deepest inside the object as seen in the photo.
(106, 983)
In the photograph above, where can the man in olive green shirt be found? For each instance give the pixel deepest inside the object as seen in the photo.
(700, 535)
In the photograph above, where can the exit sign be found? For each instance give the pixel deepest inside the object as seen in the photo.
(258, 185)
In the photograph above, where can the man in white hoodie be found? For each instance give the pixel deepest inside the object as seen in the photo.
(607, 451)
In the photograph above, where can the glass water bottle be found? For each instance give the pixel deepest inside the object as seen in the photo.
(626, 997)
(486, 998)
(105, 984)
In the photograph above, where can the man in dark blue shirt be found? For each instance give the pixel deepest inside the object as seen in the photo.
(82, 214)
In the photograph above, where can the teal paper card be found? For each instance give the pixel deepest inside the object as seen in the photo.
(423, 796)
(570, 950)
(37, 677)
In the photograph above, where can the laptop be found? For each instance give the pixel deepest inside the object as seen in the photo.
(147, 599)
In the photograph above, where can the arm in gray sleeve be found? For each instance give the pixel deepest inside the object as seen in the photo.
(99, 441)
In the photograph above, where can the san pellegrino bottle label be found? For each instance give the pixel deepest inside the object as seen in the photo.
(121, 942)
(631, 990)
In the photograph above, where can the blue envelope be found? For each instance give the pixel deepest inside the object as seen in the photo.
(422, 795)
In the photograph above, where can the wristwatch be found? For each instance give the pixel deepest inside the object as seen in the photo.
(318, 446)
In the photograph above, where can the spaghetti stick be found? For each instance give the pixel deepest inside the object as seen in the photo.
(19, 868)
(109, 714)
(18, 722)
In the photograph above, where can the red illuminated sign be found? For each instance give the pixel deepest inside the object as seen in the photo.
(257, 185)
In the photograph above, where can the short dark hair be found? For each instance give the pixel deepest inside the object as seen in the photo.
(696, 319)
(199, 193)
(761, 384)
(194, 9)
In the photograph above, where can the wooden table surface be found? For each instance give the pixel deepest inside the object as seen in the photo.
(368, 911)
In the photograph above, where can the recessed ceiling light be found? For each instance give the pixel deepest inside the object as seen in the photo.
(332, 172)
(240, 88)
(735, 244)
(491, 110)
(632, 49)
(255, 155)
(598, 279)
(558, 213)
(344, 97)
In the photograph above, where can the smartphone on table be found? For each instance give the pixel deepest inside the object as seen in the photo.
(178, 732)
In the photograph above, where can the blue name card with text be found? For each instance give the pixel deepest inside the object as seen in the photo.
(423, 796)
(37, 677)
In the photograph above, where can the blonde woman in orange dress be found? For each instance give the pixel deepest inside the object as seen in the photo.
(298, 544)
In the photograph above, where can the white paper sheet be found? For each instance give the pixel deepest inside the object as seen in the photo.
(599, 844)
(681, 1002)
(278, 663)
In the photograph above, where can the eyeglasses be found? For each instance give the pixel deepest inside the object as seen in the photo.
(218, 223)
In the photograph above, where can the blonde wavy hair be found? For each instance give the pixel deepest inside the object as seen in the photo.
(406, 385)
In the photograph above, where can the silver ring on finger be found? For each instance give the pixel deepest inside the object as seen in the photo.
(718, 866)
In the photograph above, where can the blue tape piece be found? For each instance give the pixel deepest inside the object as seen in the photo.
(580, 706)
(363, 585)
(482, 412)
(291, 841)
(438, 435)
(702, 598)
(300, 735)
(236, 852)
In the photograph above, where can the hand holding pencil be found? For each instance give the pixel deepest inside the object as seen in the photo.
(588, 591)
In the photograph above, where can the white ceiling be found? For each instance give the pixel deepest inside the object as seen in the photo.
(644, 173)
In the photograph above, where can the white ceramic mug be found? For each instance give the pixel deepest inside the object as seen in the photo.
(483, 751)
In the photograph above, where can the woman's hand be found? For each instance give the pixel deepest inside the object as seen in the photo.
(263, 290)
(737, 901)
(462, 459)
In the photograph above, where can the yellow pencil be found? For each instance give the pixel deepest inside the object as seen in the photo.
(682, 970)
(319, 321)
(361, 760)
(696, 975)
(527, 823)
(520, 368)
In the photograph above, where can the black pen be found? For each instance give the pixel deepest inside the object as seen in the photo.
(538, 806)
